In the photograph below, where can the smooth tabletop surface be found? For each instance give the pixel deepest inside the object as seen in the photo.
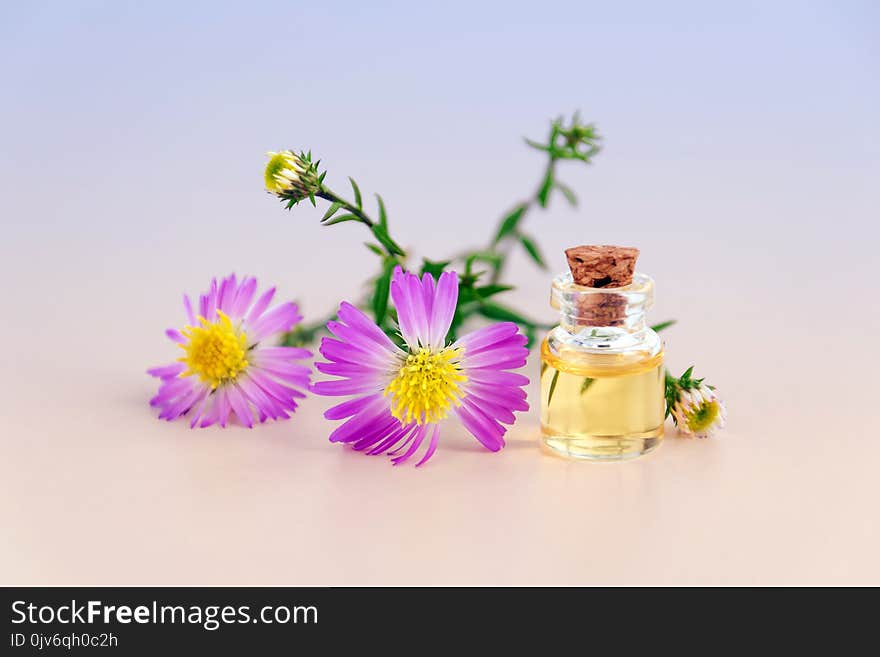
(98, 491)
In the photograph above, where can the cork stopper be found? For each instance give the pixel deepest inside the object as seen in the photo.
(602, 266)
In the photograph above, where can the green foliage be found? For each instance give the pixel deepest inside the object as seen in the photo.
(663, 325)
(331, 211)
(381, 234)
(381, 291)
(510, 223)
(481, 270)
(383, 214)
(340, 218)
(553, 383)
(357, 193)
(532, 249)
(306, 334)
(434, 268)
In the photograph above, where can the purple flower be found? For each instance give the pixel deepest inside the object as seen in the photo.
(226, 368)
(399, 397)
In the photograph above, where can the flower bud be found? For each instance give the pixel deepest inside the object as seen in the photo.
(292, 177)
(699, 411)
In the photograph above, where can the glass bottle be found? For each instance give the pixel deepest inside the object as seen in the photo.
(602, 383)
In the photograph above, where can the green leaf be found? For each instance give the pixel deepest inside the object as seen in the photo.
(383, 287)
(510, 222)
(532, 249)
(490, 258)
(553, 383)
(586, 384)
(375, 249)
(568, 193)
(383, 215)
(534, 144)
(304, 334)
(500, 313)
(331, 210)
(486, 291)
(546, 186)
(467, 293)
(340, 218)
(434, 268)
(357, 194)
(381, 234)
(663, 325)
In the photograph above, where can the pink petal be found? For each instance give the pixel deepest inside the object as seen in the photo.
(262, 401)
(476, 341)
(279, 319)
(497, 378)
(166, 371)
(484, 429)
(510, 398)
(435, 439)
(239, 405)
(352, 429)
(417, 307)
(357, 338)
(357, 320)
(346, 387)
(377, 431)
(213, 413)
(443, 309)
(175, 336)
(223, 406)
(350, 407)
(182, 404)
(260, 306)
(228, 290)
(210, 313)
(280, 392)
(243, 297)
(401, 302)
(428, 304)
(190, 316)
(343, 352)
(199, 409)
(417, 439)
(384, 444)
(349, 370)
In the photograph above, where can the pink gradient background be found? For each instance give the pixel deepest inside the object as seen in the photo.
(741, 157)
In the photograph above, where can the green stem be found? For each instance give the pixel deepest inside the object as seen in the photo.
(333, 197)
(549, 172)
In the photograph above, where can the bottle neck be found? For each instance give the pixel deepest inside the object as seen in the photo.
(574, 323)
(603, 318)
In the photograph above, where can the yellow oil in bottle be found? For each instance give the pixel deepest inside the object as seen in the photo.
(606, 407)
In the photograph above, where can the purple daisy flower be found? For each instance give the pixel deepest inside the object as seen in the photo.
(226, 369)
(401, 396)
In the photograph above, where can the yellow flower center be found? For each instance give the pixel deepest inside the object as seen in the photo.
(215, 351)
(703, 417)
(426, 386)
